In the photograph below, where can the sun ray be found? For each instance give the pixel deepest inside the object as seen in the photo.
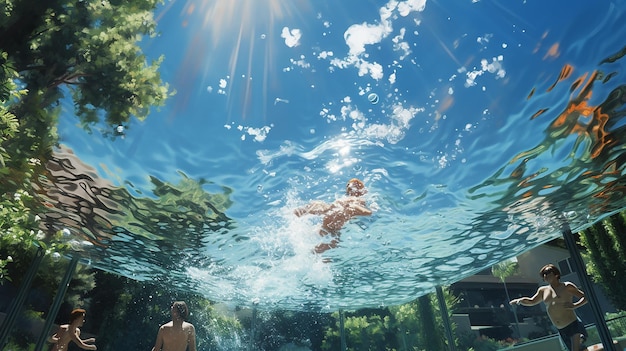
(223, 36)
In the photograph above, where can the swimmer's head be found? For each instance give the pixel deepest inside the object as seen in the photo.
(550, 268)
(355, 187)
(180, 309)
(76, 314)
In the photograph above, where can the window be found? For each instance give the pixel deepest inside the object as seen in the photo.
(565, 267)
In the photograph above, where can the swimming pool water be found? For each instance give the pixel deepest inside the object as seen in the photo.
(492, 126)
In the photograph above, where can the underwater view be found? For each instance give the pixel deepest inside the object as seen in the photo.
(310, 156)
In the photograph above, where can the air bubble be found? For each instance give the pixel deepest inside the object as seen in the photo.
(373, 98)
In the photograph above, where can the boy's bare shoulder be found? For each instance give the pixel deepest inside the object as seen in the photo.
(570, 286)
(167, 325)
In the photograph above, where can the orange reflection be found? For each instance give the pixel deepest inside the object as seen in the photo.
(595, 162)
(553, 52)
(566, 71)
(446, 103)
(598, 132)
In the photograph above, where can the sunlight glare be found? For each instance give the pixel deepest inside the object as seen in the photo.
(223, 36)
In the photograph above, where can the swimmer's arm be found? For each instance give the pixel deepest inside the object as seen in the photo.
(529, 301)
(54, 338)
(315, 208)
(360, 210)
(81, 343)
(158, 345)
(573, 289)
(356, 207)
(192, 338)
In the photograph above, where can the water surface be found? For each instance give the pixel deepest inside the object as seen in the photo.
(480, 128)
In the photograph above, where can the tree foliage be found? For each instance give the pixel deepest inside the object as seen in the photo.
(91, 49)
(51, 50)
(504, 269)
(364, 332)
(87, 50)
(83, 50)
(417, 325)
(122, 302)
(606, 256)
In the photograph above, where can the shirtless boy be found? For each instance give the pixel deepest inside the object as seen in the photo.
(558, 298)
(176, 335)
(71, 332)
(337, 213)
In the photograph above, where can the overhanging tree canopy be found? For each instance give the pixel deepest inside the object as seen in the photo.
(90, 47)
(85, 49)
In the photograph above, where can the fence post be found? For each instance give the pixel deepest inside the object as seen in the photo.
(16, 307)
(579, 266)
(443, 308)
(56, 304)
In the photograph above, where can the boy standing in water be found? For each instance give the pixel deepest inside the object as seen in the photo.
(71, 332)
(558, 298)
(177, 334)
(337, 213)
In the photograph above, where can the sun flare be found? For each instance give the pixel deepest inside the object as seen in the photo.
(234, 37)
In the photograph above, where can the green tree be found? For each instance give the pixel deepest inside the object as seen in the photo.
(414, 326)
(130, 313)
(430, 333)
(503, 270)
(451, 302)
(408, 325)
(91, 49)
(606, 256)
(49, 50)
(85, 50)
(279, 327)
(420, 322)
(366, 330)
(88, 50)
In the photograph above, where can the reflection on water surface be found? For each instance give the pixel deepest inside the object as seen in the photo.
(479, 131)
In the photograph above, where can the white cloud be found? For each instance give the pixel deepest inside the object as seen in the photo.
(259, 134)
(325, 54)
(406, 7)
(400, 45)
(374, 69)
(359, 36)
(302, 63)
(292, 37)
(495, 67)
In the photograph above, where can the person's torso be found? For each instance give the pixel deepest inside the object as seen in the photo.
(558, 305)
(64, 340)
(175, 339)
